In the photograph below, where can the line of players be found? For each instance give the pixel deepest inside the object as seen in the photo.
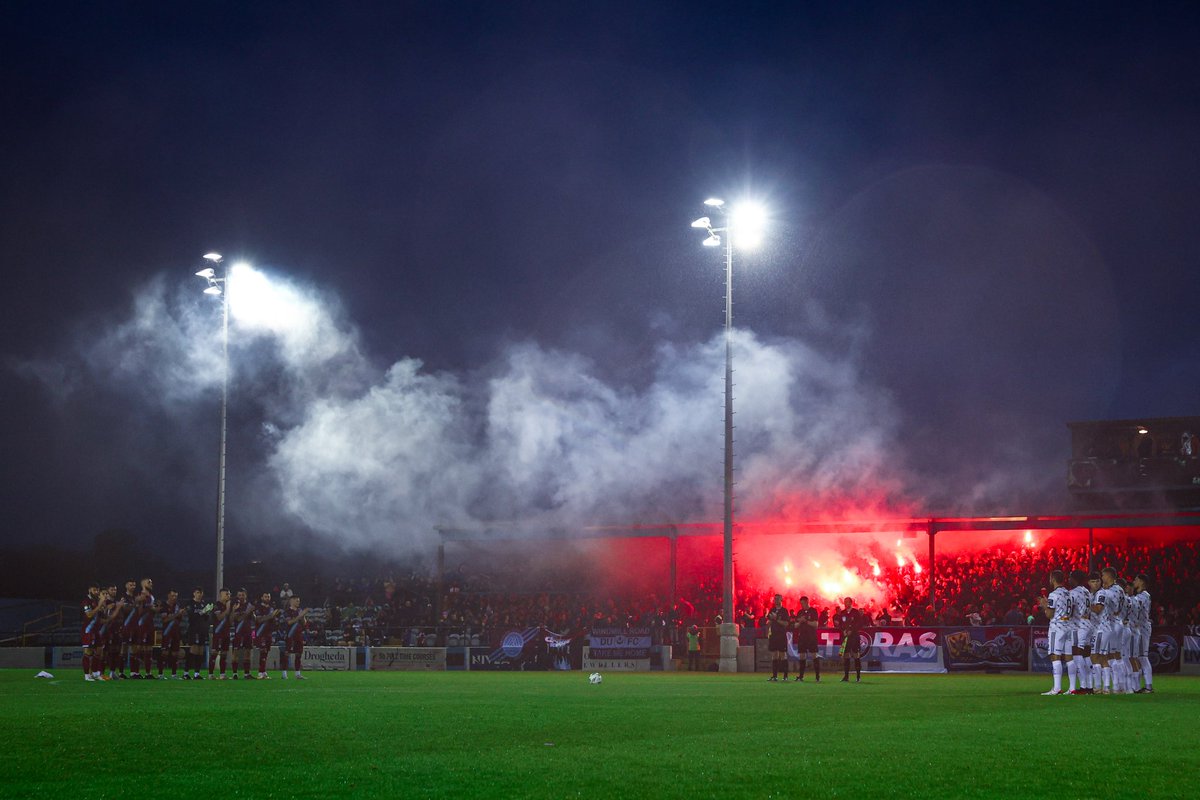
(1099, 633)
(120, 629)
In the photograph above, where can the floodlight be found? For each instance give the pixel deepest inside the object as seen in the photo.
(703, 222)
(748, 220)
(715, 202)
(213, 257)
(213, 290)
(207, 273)
(712, 241)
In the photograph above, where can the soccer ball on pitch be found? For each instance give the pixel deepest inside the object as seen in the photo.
(595, 677)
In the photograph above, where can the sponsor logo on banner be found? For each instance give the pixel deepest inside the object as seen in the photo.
(1191, 645)
(66, 657)
(1166, 648)
(407, 658)
(327, 658)
(987, 647)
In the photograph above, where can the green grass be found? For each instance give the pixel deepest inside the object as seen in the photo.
(470, 735)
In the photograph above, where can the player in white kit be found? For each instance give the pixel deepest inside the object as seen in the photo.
(1061, 634)
(1081, 621)
(1108, 605)
(1141, 630)
(1094, 587)
(1119, 648)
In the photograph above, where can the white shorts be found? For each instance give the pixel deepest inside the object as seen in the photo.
(1100, 639)
(1060, 640)
(1083, 634)
(1119, 641)
(1135, 643)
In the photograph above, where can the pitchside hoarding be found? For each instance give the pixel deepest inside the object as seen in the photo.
(406, 658)
(891, 649)
(617, 650)
(326, 658)
(986, 647)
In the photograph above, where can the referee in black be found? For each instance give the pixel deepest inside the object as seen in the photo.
(850, 621)
(777, 625)
(197, 634)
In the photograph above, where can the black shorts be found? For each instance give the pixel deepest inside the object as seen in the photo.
(197, 638)
(853, 646)
(806, 644)
(777, 643)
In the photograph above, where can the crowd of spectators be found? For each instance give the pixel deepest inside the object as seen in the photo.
(998, 585)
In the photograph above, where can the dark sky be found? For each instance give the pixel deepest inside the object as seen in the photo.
(983, 226)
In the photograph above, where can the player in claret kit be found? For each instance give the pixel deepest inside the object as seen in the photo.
(144, 633)
(91, 609)
(222, 623)
(264, 631)
(128, 630)
(243, 633)
(102, 647)
(294, 625)
(172, 634)
(197, 634)
(1081, 601)
(111, 629)
(850, 621)
(1061, 635)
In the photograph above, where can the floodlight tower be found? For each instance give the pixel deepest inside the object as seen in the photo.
(219, 287)
(743, 223)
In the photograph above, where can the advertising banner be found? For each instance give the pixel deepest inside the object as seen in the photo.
(406, 658)
(66, 657)
(327, 658)
(892, 649)
(617, 650)
(1166, 648)
(1191, 650)
(991, 647)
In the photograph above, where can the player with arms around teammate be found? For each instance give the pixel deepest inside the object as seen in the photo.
(1106, 604)
(807, 620)
(143, 643)
(294, 626)
(1142, 630)
(777, 625)
(197, 634)
(264, 631)
(850, 621)
(1061, 635)
(1081, 602)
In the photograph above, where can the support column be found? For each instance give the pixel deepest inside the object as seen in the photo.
(674, 569)
(441, 580)
(932, 531)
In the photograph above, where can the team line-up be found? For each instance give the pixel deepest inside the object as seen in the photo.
(1099, 633)
(120, 629)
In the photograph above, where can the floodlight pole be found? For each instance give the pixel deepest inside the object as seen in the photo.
(728, 630)
(727, 533)
(220, 285)
(224, 430)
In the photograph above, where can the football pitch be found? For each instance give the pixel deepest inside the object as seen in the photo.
(553, 735)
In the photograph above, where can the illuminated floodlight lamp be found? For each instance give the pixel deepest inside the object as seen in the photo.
(715, 202)
(1142, 430)
(208, 273)
(712, 241)
(213, 257)
(748, 222)
(703, 222)
(213, 290)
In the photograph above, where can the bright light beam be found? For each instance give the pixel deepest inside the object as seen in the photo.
(748, 224)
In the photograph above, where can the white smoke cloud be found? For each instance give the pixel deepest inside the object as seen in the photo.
(373, 458)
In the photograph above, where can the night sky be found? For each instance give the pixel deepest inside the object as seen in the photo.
(475, 220)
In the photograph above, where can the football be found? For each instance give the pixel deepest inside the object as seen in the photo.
(595, 677)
